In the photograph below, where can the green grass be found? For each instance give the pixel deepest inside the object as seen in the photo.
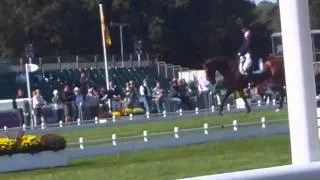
(168, 125)
(172, 163)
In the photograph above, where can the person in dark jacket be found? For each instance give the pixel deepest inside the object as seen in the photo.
(245, 54)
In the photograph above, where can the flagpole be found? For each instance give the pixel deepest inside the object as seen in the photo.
(104, 45)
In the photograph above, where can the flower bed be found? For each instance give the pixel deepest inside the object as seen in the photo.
(31, 144)
(127, 112)
(32, 152)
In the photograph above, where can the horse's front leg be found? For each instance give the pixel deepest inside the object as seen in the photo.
(224, 101)
(244, 97)
(282, 95)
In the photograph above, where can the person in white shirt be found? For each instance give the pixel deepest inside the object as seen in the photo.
(204, 88)
(145, 95)
(38, 102)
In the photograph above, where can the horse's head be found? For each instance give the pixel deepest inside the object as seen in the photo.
(210, 70)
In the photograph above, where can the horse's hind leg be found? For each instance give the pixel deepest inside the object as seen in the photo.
(224, 101)
(282, 95)
(244, 97)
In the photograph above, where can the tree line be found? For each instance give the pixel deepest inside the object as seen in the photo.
(178, 31)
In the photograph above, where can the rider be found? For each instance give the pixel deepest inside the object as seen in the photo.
(245, 54)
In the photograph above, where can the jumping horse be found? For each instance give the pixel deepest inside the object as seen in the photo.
(233, 80)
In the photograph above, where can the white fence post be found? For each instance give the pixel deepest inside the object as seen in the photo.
(24, 128)
(96, 120)
(180, 112)
(274, 102)
(259, 103)
(5, 128)
(145, 136)
(235, 125)
(164, 113)
(130, 117)
(78, 122)
(205, 127)
(81, 144)
(176, 132)
(197, 110)
(228, 107)
(148, 115)
(113, 118)
(263, 122)
(60, 124)
(212, 109)
(114, 139)
(43, 125)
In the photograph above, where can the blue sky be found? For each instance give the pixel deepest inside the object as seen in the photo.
(257, 1)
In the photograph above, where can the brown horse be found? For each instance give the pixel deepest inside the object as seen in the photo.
(233, 80)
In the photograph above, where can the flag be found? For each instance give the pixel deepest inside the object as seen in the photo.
(104, 27)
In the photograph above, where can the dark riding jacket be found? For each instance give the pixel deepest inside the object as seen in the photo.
(246, 46)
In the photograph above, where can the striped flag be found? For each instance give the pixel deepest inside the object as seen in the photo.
(104, 27)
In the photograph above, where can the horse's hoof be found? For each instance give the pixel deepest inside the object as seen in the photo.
(277, 110)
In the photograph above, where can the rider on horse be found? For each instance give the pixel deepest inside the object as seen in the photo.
(246, 55)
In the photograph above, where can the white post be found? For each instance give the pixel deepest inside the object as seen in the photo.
(205, 127)
(300, 84)
(274, 102)
(164, 114)
(121, 41)
(5, 128)
(24, 128)
(263, 122)
(228, 107)
(197, 110)
(180, 112)
(81, 143)
(60, 124)
(78, 122)
(145, 136)
(103, 30)
(235, 125)
(148, 115)
(130, 117)
(212, 109)
(114, 139)
(32, 119)
(96, 120)
(113, 118)
(43, 125)
(259, 103)
(176, 132)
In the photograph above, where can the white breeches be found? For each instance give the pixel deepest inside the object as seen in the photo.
(245, 63)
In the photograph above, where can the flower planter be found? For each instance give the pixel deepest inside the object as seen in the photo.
(45, 159)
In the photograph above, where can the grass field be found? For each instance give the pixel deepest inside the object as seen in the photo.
(172, 163)
(168, 125)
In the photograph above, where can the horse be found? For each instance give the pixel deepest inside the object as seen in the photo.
(233, 80)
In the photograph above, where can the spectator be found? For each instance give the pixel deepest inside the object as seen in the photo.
(77, 110)
(204, 87)
(92, 102)
(132, 94)
(174, 96)
(57, 106)
(38, 102)
(68, 98)
(145, 95)
(158, 97)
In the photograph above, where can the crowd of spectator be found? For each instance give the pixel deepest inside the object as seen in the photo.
(87, 101)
